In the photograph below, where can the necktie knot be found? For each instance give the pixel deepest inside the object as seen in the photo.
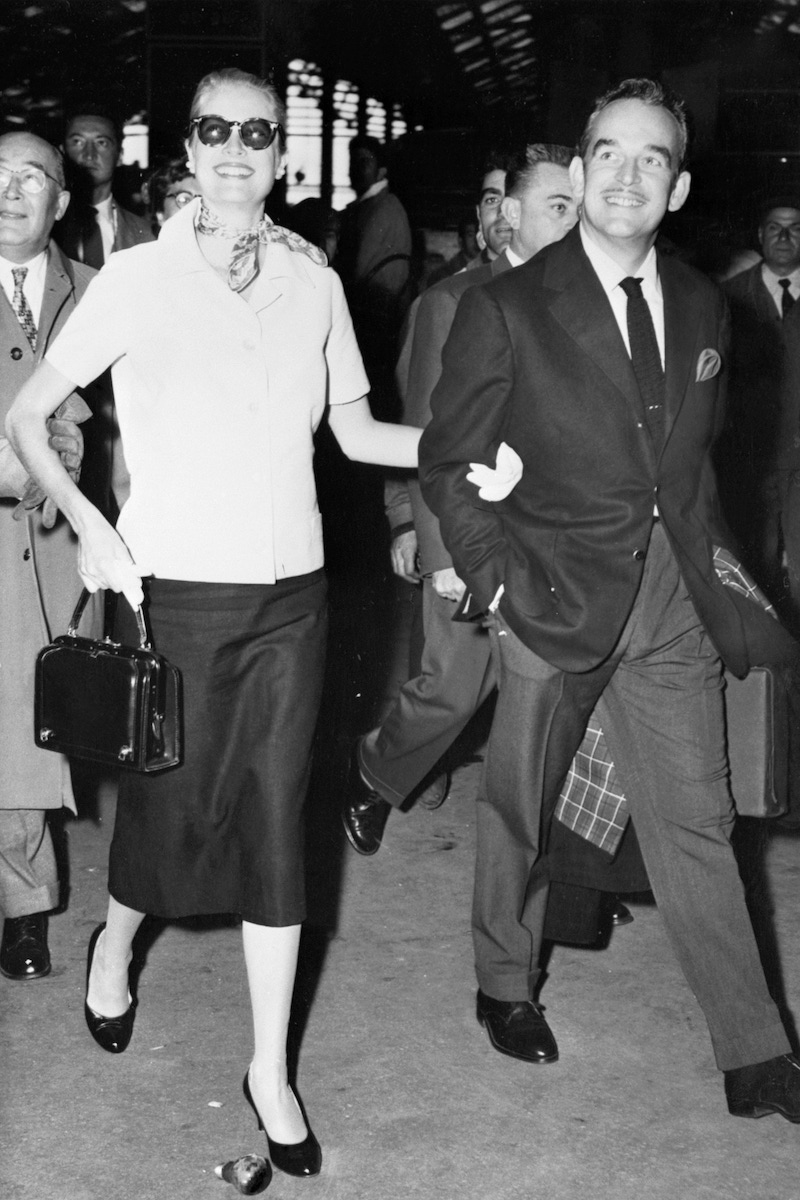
(787, 299)
(20, 275)
(632, 286)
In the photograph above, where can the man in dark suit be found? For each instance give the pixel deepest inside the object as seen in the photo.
(750, 455)
(95, 224)
(599, 363)
(456, 675)
(94, 227)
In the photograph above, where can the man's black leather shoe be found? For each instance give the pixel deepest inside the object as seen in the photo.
(364, 815)
(767, 1087)
(23, 952)
(517, 1028)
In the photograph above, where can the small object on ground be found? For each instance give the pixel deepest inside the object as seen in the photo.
(249, 1174)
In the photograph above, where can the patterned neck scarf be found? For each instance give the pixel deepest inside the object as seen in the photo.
(243, 267)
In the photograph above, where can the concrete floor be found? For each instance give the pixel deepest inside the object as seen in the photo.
(404, 1091)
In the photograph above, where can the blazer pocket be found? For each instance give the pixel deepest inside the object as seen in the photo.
(529, 587)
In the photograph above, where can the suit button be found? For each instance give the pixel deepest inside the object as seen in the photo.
(16, 354)
(26, 556)
(638, 555)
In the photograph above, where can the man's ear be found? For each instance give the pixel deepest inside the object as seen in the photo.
(577, 177)
(381, 174)
(62, 204)
(680, 191)
(511, 208)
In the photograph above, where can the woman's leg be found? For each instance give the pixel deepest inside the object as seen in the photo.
(107, 993)
(270, 955)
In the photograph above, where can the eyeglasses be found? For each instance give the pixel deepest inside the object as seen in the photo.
(32, 180)
(256, 132)
(181, 198)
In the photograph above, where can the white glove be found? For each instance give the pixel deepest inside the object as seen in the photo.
(498, 482)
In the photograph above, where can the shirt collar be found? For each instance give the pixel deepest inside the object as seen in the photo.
(376, 188)
(513, 258)
(177, 239)
(36, 267)
(611, 273)
(771, 279)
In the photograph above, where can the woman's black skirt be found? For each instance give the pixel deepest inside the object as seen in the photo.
(223, 833)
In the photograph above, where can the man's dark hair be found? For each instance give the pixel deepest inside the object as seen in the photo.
(649, 92)
(90, 108)
(773, 202)
(522, 168)
(377, 149)
(496, 160)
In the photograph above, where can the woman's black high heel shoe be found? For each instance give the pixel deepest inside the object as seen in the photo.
(303, 1158)
(112, 1033)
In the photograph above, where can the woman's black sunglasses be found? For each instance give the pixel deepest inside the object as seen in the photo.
(256, 132)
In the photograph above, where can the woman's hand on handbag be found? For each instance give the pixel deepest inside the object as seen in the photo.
(104, 561)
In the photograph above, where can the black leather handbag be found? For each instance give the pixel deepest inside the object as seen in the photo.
(115, 704)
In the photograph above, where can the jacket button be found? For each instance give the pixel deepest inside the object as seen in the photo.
(26, 555)
(638, 555)
(16, 354)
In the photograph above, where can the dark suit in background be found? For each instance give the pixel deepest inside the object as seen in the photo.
(745, 455)
(74, 232)
(106, 480)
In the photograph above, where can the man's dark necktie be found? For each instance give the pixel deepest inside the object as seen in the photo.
(787, 299)
(92, 240)
(645, 358)
(21, 307)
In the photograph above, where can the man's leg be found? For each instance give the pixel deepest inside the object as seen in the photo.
(431, 710)
(425, 719)
(28, 889)
(667, 727)
(538, 725)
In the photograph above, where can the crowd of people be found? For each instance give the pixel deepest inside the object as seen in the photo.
(553, 406)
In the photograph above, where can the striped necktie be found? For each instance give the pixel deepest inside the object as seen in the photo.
(21, 307)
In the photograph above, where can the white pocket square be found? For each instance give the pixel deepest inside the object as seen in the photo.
(708, 365)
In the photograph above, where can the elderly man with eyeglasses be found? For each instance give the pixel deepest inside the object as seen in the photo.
(38, 555)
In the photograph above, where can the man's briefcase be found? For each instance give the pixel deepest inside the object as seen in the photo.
(114, 704)
(757, 714)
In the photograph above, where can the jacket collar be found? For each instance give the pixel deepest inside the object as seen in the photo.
(59, 285)
(181, 255)
(580, 305)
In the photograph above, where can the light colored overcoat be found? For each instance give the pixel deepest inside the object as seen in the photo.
(39, 581)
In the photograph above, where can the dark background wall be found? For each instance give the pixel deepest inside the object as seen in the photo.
(472, 73)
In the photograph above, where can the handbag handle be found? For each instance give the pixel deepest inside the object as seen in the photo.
(75, 620)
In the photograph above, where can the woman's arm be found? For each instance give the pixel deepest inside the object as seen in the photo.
(366, 440)
(103, 557)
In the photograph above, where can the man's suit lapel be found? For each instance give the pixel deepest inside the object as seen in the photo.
(682, 324)
(581, 307)
(57, 288)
